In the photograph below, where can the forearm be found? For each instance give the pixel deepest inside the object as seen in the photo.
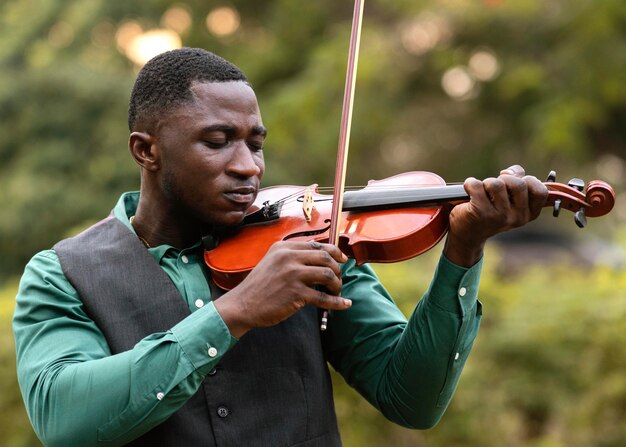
(407, 370)
(426, 364)
(75, 391)
(425, 367)
(87, 403)
(78, 399)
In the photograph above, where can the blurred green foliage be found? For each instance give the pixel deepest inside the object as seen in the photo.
(547, 369)
(457, 87)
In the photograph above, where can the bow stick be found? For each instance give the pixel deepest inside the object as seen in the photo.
(344, 132)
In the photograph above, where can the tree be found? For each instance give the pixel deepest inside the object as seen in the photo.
(484, 84)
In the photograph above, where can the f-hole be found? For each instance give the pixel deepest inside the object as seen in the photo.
(310, 232)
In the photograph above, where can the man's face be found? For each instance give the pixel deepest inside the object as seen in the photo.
(211, 152)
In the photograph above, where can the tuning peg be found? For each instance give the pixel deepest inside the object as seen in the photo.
(580, 218)
(551, 177)
(557, 208)
(577, 183)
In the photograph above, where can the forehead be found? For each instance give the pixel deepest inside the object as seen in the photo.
(227, 102)
(231, 104)
(224, 97)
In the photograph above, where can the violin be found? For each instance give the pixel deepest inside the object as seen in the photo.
(389, 220)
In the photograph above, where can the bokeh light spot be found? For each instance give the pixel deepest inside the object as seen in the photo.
(458, 83)
(484, 65)
(177, 18)
(223, 21)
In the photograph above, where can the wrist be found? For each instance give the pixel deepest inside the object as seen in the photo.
(462, 252)
(231, 313)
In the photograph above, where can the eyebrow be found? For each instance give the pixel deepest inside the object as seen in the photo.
(256, 130)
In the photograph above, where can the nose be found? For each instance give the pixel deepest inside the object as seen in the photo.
(243, 163)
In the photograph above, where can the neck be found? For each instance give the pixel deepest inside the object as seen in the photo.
(370, 199)
(158, 223)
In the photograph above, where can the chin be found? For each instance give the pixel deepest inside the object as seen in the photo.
(232, 219)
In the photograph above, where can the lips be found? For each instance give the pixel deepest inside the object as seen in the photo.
(241, 195)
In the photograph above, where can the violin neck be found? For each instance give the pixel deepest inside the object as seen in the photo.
(388, 198)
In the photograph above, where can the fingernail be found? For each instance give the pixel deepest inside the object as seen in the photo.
(507, 171)
(347, 302)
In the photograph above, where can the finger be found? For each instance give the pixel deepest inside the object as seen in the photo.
(322, 276)
(323, 300)
(515, 170)
(517, 190)
(331, 249)
(319, 258)
(497, 192)
(478, 196)
(537, 195)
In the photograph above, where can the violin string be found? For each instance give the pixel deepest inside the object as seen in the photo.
(390, 187)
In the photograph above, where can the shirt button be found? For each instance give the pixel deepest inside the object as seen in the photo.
(199, 303)
(160, 396)
(462, 291)
(456, 356)
(213, 372)
(185, 259)
(212, 352)
(223, 412)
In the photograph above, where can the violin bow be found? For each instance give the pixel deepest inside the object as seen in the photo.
(344, 132)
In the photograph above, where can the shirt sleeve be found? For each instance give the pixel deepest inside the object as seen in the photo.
(75, 391)
(407, 369)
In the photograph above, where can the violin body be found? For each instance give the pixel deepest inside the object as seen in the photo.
(389, 220)
(388, 235)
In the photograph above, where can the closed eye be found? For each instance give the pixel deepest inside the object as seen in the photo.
(257, 147)
(216, 144)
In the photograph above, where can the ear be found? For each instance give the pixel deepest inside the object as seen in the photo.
(144, 150)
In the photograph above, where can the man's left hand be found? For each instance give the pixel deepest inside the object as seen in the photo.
(496, 205)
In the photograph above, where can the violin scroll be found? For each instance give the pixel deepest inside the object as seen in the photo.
(597, 199)
(601, 197)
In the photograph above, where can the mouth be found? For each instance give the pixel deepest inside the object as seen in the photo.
(242, 195)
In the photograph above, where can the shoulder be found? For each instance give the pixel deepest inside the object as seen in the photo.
(44, 277)
(46, 260)
(44, 293)
(99, 230)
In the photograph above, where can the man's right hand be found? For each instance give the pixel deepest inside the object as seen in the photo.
(283, 283)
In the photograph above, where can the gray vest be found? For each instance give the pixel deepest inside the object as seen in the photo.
(272, 389)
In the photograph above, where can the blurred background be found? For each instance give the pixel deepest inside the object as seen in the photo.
(456, 87)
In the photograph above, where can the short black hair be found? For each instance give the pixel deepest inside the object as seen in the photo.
(165, 81)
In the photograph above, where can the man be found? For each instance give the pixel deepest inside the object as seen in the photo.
(122, 338)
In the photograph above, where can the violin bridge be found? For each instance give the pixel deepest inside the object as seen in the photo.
(308, 204)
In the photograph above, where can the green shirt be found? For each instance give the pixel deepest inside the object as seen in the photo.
(76, 392)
